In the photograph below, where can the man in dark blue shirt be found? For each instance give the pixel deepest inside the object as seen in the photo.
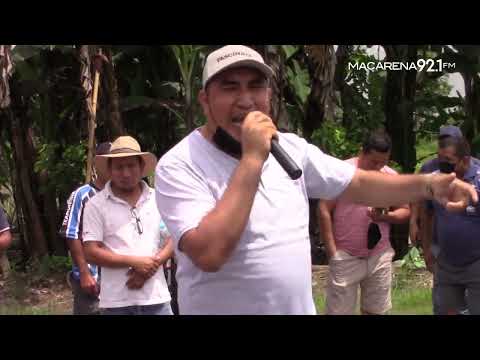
(457, 266)
(418, 211)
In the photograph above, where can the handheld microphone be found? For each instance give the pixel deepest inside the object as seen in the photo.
(285, 161)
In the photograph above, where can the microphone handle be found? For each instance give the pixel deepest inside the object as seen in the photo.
(285, 161)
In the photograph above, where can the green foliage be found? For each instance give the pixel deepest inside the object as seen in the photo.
(297, 83)
(434, 107)
(299, 80)
(365, 103)
(426, 150)
(63, 169)
(49, 265)
(289, 50)
(333, 139)
(413, 260)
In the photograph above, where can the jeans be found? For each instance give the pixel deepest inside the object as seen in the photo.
(83, 303)
(156, 309)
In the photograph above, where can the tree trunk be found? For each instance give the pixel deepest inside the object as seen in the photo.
(472, 104)
(274, 57)
(321, 61)
(114, 119)
(22, 217)
(55, 242)
(399, 105)
(343, 55)
(21, 141)
(18, 201)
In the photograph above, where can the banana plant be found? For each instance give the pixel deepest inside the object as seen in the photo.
(188, 61)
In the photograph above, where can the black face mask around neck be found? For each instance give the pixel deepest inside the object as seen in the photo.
(227, 143)
(445, 167)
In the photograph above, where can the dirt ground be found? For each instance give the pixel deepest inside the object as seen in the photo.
(42, 296)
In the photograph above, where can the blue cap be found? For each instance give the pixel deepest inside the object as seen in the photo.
(450, 130)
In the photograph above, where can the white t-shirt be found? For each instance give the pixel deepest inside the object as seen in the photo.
(109, 219)
(269, 272)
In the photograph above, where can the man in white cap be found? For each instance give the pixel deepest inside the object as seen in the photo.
(124, 234)
(239, 223)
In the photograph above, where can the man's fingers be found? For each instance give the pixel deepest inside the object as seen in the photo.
(132, 283)
(473, 194)
(448, 178)
(456, 206)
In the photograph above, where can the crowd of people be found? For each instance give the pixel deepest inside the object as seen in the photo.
(237, 226)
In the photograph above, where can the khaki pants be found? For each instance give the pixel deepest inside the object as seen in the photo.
(373, 275)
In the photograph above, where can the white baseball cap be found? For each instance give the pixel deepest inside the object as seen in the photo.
(231, 56)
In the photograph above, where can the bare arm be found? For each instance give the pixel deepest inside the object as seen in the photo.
(96, 253)
(5, 240)
(212, 242)
(375, 189)
(414, 227)
(76, 250)
(324, 213)
(426, 219)
(166, 252)
(414, 212)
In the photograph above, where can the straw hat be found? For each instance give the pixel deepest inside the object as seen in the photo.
(125, 146)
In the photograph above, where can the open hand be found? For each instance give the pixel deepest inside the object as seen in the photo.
(452, 193)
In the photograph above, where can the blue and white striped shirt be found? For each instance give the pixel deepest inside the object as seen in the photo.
(72, 223)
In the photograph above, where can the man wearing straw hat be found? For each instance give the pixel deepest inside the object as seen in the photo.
(122, 233)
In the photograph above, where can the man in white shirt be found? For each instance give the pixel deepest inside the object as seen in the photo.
(238, 222)
(122, 233)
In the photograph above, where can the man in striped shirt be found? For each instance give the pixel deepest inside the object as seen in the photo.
(84, 277)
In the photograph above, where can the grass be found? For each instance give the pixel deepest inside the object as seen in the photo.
(29, 310)
(415, 301)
